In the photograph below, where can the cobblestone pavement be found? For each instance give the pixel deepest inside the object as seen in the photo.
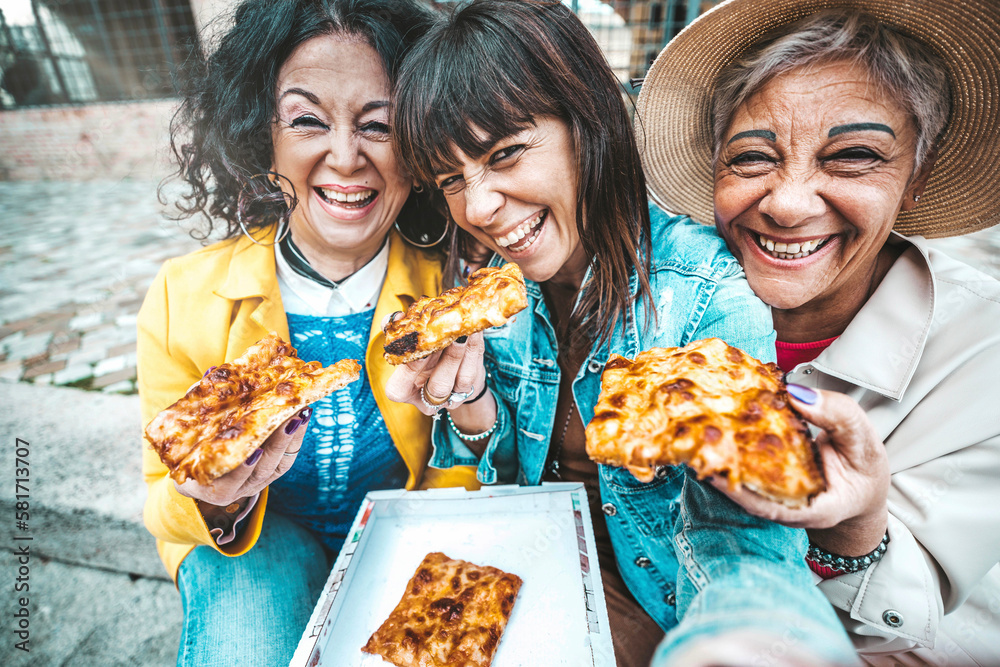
(76, 260)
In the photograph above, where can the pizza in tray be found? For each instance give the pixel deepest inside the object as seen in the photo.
(236, 406)
(452, 613)
(712, 407)
(433, 323)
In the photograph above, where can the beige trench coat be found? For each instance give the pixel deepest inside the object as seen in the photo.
(922, 357)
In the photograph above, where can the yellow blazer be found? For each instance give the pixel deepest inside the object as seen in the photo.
(206, 308)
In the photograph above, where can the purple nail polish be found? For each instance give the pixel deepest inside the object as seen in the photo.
(801, 393)
(209, 370)
(461, 339)
(253, 458)
(305, 414)
(292, 425)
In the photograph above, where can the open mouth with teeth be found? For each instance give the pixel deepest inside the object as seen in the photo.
(523, 235)
(780, 250)
(358, 199)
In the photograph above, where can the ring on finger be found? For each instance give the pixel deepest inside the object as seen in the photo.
(437, 405)
(292, 453)
(431, 398)
(459, 397)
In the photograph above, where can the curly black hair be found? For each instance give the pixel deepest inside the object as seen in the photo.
(221, 134)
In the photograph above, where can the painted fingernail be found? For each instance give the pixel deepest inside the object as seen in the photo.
(293, 425)
(209, 370)
(461, 339)
(390, 318)
(305, 414)
(801, 393)
(254, 457)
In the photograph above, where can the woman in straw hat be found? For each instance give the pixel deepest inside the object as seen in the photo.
(532, 148)
(825, 138)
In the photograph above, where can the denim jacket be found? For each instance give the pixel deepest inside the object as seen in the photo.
(699, 292)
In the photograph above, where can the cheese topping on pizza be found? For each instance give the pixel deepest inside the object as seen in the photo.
(227, 415)
(711, 406)
(492, 296)
(452, 613)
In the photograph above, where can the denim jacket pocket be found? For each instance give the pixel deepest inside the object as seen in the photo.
(652, 507)
(504, 383)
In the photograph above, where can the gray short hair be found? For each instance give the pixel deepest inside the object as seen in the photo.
(908, 70)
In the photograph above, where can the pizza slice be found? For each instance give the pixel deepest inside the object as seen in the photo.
(452, 613)
(433, 323)
(231, 411)
(713, 407)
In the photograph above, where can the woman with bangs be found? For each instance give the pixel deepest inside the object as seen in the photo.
(510, 110)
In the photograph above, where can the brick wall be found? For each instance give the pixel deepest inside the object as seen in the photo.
(92, 142)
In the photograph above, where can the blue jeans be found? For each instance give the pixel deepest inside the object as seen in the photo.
(252, 609)
(742, 574)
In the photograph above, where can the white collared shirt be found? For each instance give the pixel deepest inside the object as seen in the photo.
(358, 292)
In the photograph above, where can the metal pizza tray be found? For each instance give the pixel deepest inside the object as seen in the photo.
(543, 534)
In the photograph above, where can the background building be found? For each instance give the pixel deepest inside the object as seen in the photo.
(87, 87)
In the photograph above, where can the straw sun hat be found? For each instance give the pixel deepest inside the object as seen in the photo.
(673, 120)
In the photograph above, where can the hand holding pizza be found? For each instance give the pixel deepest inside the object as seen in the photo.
(850, 517)
(266, 464)
(437, 347)
(443, 378)
(238, 428)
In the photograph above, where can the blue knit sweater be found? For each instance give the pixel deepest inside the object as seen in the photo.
(347, 450)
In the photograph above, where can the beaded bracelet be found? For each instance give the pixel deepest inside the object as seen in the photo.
(471, 438)
(844, 564)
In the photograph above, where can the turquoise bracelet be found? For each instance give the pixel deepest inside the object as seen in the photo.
(845, 564)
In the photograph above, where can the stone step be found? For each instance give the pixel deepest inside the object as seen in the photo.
(85, 483)
(82, 617)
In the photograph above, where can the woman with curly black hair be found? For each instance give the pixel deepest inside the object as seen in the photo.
(283, 141)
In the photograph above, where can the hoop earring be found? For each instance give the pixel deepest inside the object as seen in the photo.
(421, 245)
(281, 234)
(418, 188)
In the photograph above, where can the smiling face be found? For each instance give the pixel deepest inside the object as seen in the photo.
(519, 199)
(813, 171)
(331, 141)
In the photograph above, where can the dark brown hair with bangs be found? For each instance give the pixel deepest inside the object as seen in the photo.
(495, 65)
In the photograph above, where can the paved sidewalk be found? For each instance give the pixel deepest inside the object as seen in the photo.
(97, 593)
(94, 618)
(75, 262)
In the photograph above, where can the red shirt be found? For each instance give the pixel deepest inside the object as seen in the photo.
(791, 355)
